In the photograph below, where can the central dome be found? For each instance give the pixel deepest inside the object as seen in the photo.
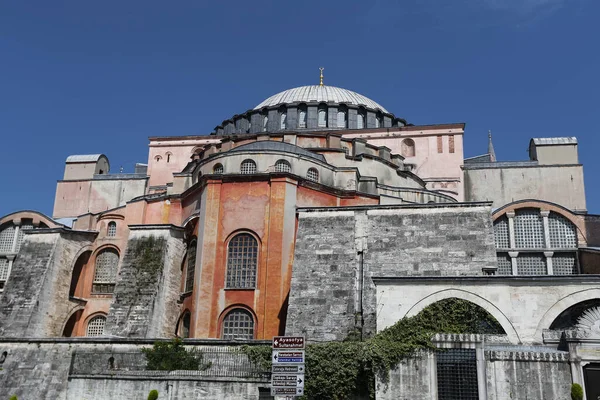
(320, 93)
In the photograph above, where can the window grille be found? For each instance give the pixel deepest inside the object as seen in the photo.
(248, 167)
(322, 117)
(21, 236)
(341, 119)
(238, 324)
(501, 233)
(312, 175)
(112, 229)
(457, 375)
(283, 166)
(96, 326)
(504, 264)
(218, 169)
(562, 232)
(191, 267)
(564, 264)
(282, 120)
(529, 229)
(242, 259)
(3, 269)
(302, 118)
(360, 120)
(105, 273)
(531, 264)
(7, 236)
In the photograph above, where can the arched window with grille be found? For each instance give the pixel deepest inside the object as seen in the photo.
(282, 118)
(302, 116)
(248, 167)
(283, 166)
(523, 248)
(95, 326)
(312, 175)
(322, 116)
(111, 229)
(408, 148)
(105, 273)
(242, 262)
(342, 117)
(238, 324)
(361, 118)
(218, 169)
(190, 268)
(7, 238)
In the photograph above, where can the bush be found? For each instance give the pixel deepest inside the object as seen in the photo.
(13, 397)
(576, 392)
(171, 356)
(153, 395)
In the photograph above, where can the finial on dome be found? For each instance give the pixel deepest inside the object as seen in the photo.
(321, 69)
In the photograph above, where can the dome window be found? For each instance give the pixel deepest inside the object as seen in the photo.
(265, 123)
(342, 120)
(322, 116)
(218, 169)
(360, 119)
(378, 120)
(302, 116)
(282, 120)
(312, 175)
(283, 166)
(248, 167)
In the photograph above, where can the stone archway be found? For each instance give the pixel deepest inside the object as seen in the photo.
(562, 305)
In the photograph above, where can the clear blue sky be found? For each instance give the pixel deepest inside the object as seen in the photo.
(84, 77)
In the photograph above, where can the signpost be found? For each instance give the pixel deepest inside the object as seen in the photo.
(287, 373)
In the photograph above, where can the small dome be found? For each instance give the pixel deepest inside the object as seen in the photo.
(305, 94)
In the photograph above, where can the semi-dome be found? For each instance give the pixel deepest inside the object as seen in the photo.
(320, 93)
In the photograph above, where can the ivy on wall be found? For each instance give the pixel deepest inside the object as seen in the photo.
(345, 370)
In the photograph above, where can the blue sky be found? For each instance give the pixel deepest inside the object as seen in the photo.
(84, 77)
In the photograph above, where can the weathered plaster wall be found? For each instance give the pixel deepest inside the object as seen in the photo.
(36, 302)
(338, 251)
(145, 297)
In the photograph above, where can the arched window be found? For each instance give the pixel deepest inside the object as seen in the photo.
(190, 267)
(342, 121)
(312, 175)
(7, 237)
(169, 155)
(525, 240)
(111, 229)
(283, 166)
(408, 148)
(302, 116)
(322, 116)
(218, 169)
(238, 324)
(183, 330)
(242, 259)
(105, 274)
(248, 167)
(158, 158)
(361, 118)
(378, 120)
(282, 118)
(3, 271)
(96, 326)
(265, 122)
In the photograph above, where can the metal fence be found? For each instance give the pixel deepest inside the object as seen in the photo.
(222, 361)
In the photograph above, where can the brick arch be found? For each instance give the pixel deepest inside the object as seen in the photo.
(563, 304)
(494, 311)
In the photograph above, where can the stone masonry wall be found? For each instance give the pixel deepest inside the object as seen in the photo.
(145, 298)
(339, 251)
(35, 302)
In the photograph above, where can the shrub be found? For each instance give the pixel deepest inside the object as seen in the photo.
(153, 395)
(171, 356)
(13, 397)
(576, 392)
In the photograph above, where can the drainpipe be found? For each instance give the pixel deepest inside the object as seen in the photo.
(359, 321)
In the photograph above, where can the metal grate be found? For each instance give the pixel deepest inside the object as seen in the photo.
(112, 229)
(241, 262)
(457, 375)
(218, 169)
(283, 166)
(3, 269)
(531, 264)
(564, 264)
(238, 324)
(105, 272)
(7, 237)
(248, 167)
(191, 267)
(529, 229)
(312, 175)
(504, 264)
(562, 232)
(96, 326)
(501, 233)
